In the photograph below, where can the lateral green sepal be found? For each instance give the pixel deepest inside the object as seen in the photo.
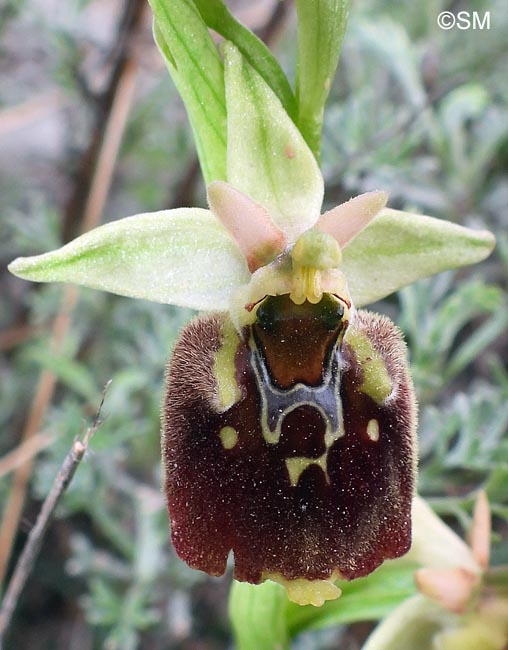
(183, 257)
(398, 248)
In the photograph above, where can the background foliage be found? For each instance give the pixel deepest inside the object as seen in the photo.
(415, 110)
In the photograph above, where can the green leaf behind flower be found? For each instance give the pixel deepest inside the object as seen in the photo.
(267, 157)
(398, 248)
(198, 73)
(218, 17)
(184, 257)
(321, 28)
(412, 625)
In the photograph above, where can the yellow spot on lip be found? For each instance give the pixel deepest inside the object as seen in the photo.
(298, 464)
(228, 392)
(373, 430)
(376, 380)
(228, 437)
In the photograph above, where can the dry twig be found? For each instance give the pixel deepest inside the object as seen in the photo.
(33, 544)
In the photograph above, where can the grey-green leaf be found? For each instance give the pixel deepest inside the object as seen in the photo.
(198, 72)
(183, 257)
(398, 248)
(267, 157)
(218, 17)
(321, 28)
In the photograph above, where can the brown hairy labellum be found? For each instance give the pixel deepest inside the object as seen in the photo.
(290, 443)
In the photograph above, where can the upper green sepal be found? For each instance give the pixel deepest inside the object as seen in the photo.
(397, 248)
(267, 156)
(184, 257)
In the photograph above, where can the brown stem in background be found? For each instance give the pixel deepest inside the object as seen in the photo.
(33, 544)
(23, 452)
(128, 26)
(103, 167)
(186, 188)
(274, 26)
(15, 335)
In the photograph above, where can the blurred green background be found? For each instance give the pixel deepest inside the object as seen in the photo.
(416, 110)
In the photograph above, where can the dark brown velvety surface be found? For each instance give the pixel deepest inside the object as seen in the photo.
(242, 499)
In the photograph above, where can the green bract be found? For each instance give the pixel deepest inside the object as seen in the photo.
(321, 28)
(197, 70)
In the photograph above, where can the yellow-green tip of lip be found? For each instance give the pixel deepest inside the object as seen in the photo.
(307, 592)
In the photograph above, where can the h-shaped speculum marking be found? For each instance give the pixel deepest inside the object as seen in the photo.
(276, 403)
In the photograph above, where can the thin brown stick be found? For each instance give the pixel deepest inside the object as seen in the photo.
(17, 117)
(130, 24)
(35, 538)
(108, 155)
(101, 182)
(13, 336)
(24, 452)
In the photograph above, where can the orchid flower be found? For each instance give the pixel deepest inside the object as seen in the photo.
(289, 419)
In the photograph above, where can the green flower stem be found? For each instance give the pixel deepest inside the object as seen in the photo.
(257, 613)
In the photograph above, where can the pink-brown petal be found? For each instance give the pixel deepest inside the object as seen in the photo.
(259, 239)
(480, 532)
(452, 588)
(346, 221)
